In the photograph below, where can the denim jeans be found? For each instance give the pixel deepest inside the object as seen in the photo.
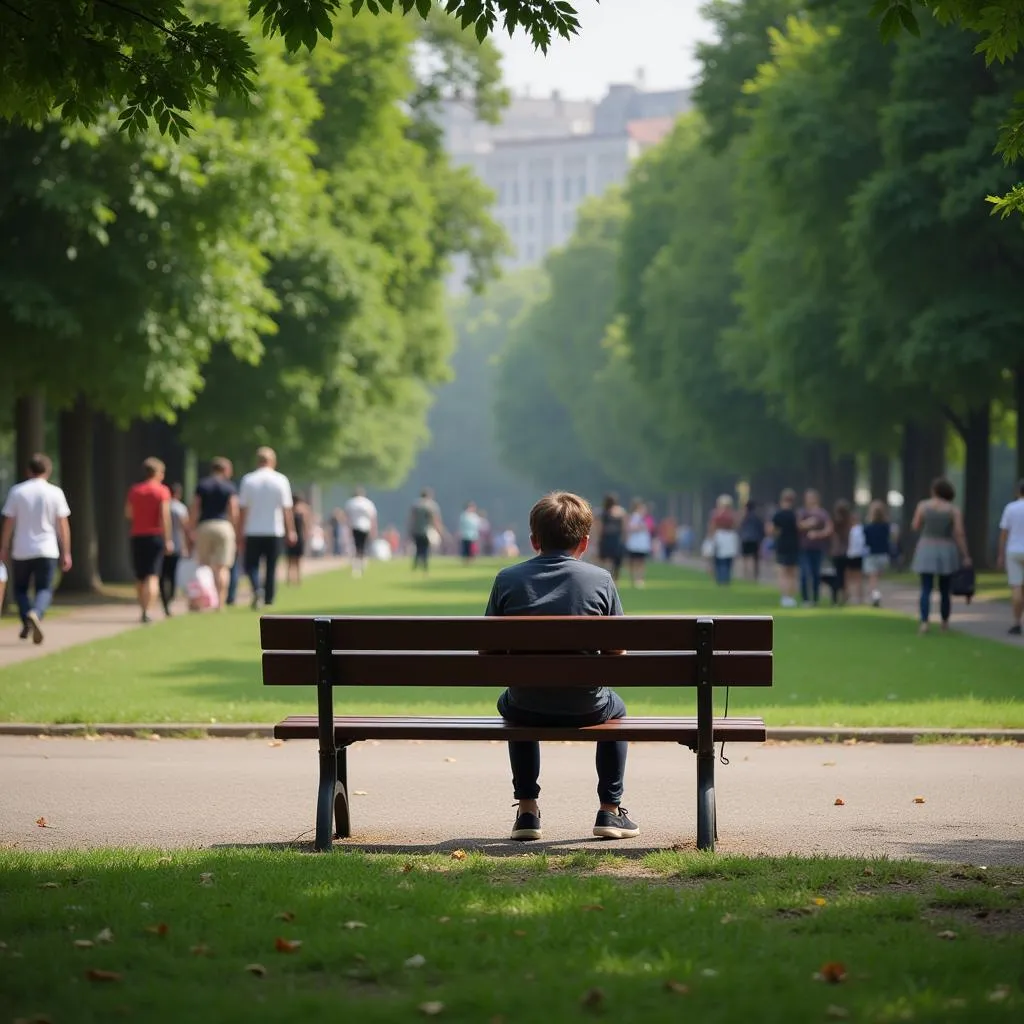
(723, 570)
(267, 550)
(524, 755)
(945, 598)
(34, 573)
(810, 575)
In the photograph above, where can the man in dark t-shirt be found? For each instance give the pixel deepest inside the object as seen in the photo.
(786, 535)
(215, 511)
(556, 582)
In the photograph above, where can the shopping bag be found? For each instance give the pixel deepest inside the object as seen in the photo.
(963, 583)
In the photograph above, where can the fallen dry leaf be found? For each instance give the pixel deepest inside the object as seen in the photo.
(836, 1012)
(869, 871)
(593, 999)
(832, 972)
(947, 934)
(918, 799)
(443, 920)
(519, 933)
(431, 1009)
(206, 878)
(200, 950)
(828, 764)
(406, 868)
(591, 906)
(49, 885)
(106, 935)
(416, 960)
(96, 975)
(360, 792)
(286, 945)
(449, 760)
(677, 987)
(998, 994)
(458, 855)
(727, 919)
(153, 736)
(42, 823)
(285, 915)
(84, 943)
(258, 969)
(276, 743)
(820, 902)
(709, 972)
(163, 860)
(160, 929)
(839, 802)
(352, 925)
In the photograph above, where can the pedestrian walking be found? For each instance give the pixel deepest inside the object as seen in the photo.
(35, 537)
(815, 533)
(148, 507)
(638, 542)
(839, 543)
(215, 514)
(1011, 554)
(941, 549)
(424, 526)
(361, 516)
(878, 548)
(785, 534)
(265, 524)
(179, 539)
(752, 533)
(724, 538)
(296, 549)
(469, 533)
(611, 536)
(337, 525)
(668, 534)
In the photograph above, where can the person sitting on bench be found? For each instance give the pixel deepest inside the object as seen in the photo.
(556, 582)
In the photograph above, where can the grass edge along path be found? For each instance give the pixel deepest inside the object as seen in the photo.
(846, 667)
(277, 935)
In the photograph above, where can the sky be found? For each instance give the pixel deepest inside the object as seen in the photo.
(616, 38)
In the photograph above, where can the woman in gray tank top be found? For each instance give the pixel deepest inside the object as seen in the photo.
(941, 548)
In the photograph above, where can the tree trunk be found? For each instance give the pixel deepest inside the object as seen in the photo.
(30, 430)
(844, 478)
(76, 445)
(879, 474)
(1018, 380)
(977, 482)
(114, 465)
(161, 440)
(922, 459)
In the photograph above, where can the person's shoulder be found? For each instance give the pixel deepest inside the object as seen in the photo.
(591, 572)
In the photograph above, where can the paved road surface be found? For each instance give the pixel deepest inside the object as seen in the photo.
(772, 799)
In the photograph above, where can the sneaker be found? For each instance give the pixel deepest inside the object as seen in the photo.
(1015, 630)
(789, 602)
(257, 600)
(26, 630)
(36, 626)
(527, 827)
(145, 620)
(615, 826)
(876, 599)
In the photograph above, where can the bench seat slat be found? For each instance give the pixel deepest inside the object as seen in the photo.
(639, 729)
(467, 668)
(535, 633)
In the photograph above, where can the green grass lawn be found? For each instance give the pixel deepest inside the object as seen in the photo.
(852, 666)
(208, 935)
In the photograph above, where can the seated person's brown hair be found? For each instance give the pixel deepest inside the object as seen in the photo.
(560, 521)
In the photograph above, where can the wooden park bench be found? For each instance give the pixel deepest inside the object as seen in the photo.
(664, 651)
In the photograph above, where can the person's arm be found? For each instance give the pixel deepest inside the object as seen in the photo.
(374, 525)
(64, 539)
(959, 536)
(827, 530)
(289, 525)
(128, 513)
(186, 531)
(614, 610)
(6, 533)
(194, 512)
(233, 511)
(918, 519)
(165, 515)
(1001, 558)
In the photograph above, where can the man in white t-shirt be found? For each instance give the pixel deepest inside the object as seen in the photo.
(35, 536)
(265, 519)
(361, 516)
(1011, 554)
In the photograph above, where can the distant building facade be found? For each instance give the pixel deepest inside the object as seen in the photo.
(549, 154)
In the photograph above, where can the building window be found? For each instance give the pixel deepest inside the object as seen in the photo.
(549, 190)
(515, 225)
(501, 193)
(567, 219)
(581, 186)
(531, 191)
(515, 192)
(567, 189)
(529, 225)
(530, 252)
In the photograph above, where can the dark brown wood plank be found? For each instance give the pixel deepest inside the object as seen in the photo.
(421, 633)
(638, 730)
(289, 668)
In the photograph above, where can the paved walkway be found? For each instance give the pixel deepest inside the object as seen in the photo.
(98, 621)
(985, 618)
(436, 796)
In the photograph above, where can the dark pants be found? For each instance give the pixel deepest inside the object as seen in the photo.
(37, 574)
(945, 597)
(267, 550)
(810, 575)
(525, 754)
(236, 571)
(167, 580)
(723, 570)
(422, 556)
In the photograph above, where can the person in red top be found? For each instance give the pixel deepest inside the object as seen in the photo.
(148, 507)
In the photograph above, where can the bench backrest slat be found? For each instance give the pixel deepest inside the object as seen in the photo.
(413, 668)
(536, 634)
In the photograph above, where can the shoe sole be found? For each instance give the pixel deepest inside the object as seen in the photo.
(608, 832)
(37, 629)
(526, 834)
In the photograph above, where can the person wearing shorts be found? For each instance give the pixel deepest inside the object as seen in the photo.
(1011, 554)
(638, 542)
(786, 536)
(878, 547)
(215, 512)
(148, 506)
(361, 516)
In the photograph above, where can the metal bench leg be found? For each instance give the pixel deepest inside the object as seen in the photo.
(342, 820)
(707, 831)
(325, 799)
